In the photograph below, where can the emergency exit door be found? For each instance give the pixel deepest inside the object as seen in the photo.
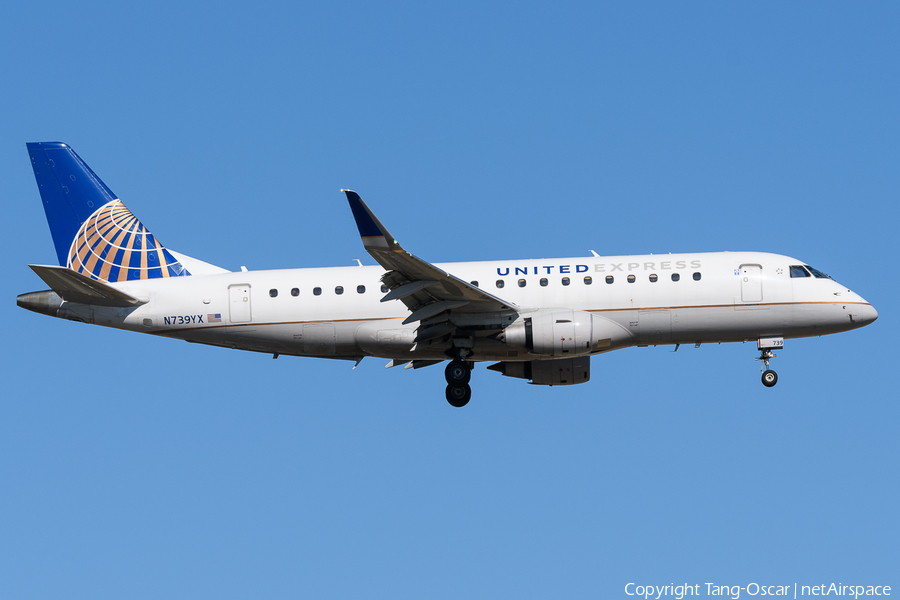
(751, 283)
(239, 303)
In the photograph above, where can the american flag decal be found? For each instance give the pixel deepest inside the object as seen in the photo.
(216, 318)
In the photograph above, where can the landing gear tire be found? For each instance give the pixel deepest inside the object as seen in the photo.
(459, 395)
(457, 373)
(769, 378)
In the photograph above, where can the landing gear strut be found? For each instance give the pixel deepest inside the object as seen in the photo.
(458, 374)
(765, 347)
(769, 377)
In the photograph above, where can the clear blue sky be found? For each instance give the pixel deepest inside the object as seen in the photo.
(149, 468)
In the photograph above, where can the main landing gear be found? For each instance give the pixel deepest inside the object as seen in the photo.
(458, 374)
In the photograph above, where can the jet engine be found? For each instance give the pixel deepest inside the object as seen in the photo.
(565, 333)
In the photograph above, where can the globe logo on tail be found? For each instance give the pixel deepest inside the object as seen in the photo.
(113, 245)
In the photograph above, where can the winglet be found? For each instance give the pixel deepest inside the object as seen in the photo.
(412, 280)
(375, 236)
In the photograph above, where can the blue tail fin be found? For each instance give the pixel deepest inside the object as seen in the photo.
(94, 233)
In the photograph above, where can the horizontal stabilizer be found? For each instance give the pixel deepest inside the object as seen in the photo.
(75, 287)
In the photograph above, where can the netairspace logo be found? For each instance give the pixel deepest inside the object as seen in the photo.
(678, 592)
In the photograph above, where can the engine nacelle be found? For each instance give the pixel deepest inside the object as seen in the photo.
(561, 371)
(565, 333)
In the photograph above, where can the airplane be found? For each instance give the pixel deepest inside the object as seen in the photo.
(537, 320)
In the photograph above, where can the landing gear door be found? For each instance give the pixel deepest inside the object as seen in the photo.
(239, 303)
(751, 283)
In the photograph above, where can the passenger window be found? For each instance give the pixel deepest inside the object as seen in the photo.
(696, 276)
(675, 276)
(500, 283)
(384, 289)
(360, 289)
(317, 291)
(565, 281)
(588, 280)
(610, 279)
(475, 283)
(544, 282)
(631, 279)
(521, 283)
(339, 290)
(295, 292)
(798, 271)
(273, 293)
(654, 278)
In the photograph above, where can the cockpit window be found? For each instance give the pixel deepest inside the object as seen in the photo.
(817, 273)
(798, 271)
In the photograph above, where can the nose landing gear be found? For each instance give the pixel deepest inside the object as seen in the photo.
(458, 374)
(769, 377)
(765, 346)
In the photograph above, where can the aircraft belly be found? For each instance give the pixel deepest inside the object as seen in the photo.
(814, 319)
(289, 339)
(655, 326)
(317, 339)
(725, 324)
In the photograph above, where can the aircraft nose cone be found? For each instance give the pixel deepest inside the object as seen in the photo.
(862, 313)
(869, 314)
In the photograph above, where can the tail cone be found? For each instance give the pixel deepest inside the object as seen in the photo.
(46, 303)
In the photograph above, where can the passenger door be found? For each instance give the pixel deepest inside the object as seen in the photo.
(239, 303)
(751, 283)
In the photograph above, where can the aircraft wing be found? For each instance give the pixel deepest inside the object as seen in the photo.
(425, 289)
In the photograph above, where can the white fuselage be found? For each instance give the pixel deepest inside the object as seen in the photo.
(718, 297)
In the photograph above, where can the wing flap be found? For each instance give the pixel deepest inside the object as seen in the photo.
(407, 289)
(431, 310)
